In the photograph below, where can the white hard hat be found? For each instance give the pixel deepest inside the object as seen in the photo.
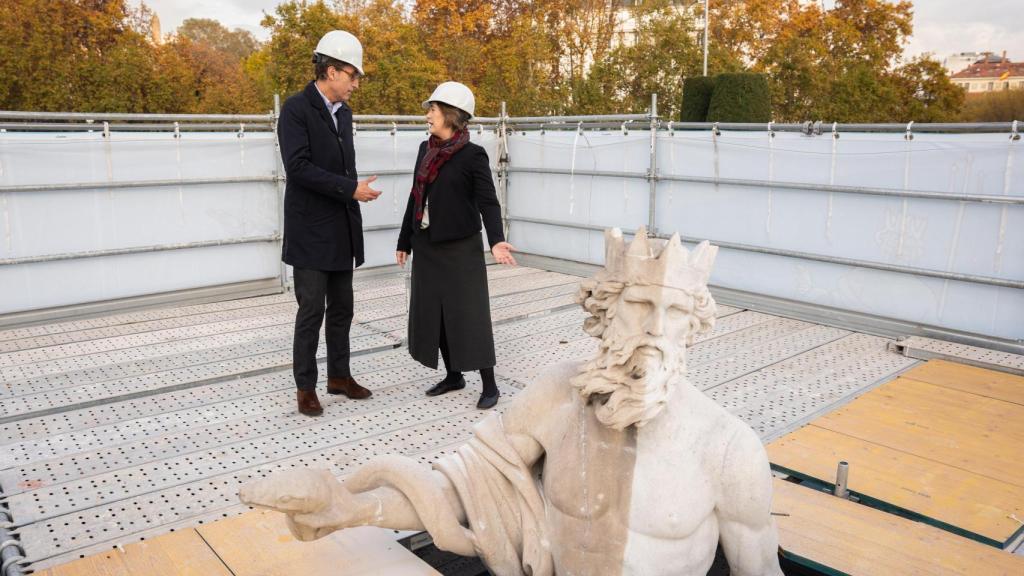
(343, 46)
(454, 94)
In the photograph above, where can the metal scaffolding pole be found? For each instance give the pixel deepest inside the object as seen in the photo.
(280, 174)
(503, 168)
(137, 250)
(652, 171)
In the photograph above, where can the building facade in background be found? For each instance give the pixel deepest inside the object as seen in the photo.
(990, 73)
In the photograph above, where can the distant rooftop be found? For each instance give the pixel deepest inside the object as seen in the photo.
(991, 67)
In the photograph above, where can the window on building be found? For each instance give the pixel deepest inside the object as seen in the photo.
(991, 86)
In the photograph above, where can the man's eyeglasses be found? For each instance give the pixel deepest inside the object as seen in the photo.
(353, 75)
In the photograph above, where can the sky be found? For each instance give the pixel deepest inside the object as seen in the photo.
(941, 27)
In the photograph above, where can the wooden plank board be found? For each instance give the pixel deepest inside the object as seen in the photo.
(957, 429)
(960, 499)
(964, 411)
(258, 543)
(854, 539)
(182, 553)
(988, 383)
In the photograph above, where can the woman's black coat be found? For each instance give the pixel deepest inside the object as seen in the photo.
(449, 275)
(459, 197)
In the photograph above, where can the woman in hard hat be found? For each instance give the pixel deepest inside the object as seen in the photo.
(452, 192)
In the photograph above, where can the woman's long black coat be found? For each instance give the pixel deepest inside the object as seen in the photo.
(449, 276)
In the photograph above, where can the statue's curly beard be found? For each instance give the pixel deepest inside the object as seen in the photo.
(630, 379)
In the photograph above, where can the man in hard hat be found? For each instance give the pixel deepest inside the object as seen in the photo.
(323, 227)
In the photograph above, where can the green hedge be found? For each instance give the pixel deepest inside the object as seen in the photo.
(696, 97)
(742, 97)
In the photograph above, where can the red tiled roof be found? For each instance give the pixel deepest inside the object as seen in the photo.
(991, 70)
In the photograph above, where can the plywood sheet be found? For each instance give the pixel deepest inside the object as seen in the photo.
(854, 539)
(258, 543)
(960, 499)
(182, 553)
(989, 383)
(958, 429)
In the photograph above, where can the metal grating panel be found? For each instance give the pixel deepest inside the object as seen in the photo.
(927, 348)
(160, 507)
(787, 393)
(139, 353)
(206, 365)
(142, 316)
(42, 500)
(426, 458)
(146, 326)
(774, 348)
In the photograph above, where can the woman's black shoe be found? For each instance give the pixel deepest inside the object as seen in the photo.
(447, 386)
(487, 402)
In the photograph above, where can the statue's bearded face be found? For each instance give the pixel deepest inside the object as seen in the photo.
(644, 330)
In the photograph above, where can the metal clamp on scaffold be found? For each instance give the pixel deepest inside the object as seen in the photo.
(835, 130)
(771, 130)
(714, 129)
(1014, 135)
(625, 129)
(241, 130)
(909, 134)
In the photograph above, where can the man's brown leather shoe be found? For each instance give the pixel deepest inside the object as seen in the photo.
(348, 387)
(309, 404)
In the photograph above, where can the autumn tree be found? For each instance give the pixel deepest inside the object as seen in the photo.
(399, 72)
(64, 56)
(236, 43)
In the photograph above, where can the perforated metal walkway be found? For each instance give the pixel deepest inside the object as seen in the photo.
(119, 428)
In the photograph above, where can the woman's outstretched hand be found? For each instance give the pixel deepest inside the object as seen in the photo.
(401, 257)
(502, 252)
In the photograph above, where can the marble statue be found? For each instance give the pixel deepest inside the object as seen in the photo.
(613, 466)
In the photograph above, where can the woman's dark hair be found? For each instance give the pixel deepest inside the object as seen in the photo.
(454, 117)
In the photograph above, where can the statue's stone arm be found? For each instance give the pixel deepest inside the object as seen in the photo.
(390, 491)
(746, 528)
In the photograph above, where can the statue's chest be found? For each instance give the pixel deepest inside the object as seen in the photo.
(585, 468)
(671, 493)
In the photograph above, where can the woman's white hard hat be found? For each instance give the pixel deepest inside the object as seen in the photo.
(343, 46)
(454, 94)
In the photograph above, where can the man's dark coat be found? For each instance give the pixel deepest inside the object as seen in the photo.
(323, 227)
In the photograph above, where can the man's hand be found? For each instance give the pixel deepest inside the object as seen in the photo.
(363, 191)
(502, 252)
(401, 257)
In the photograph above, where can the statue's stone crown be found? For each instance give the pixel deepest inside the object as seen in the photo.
(652, 262)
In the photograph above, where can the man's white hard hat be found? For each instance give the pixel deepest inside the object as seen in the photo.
(454, 94)
(343, 46)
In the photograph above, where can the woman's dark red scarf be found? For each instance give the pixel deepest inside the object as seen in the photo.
(438, 152)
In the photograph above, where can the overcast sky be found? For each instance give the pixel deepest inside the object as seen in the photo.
(940, 26)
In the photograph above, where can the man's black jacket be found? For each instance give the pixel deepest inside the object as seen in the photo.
(323, 227)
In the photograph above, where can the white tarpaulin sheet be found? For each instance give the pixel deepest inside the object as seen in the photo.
(980, 239)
